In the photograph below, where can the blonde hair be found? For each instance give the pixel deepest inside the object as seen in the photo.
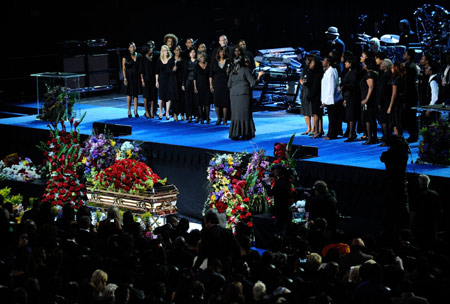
(313, 261)
(168, 52)
(98, 280)
(113, 213)
(259, 291)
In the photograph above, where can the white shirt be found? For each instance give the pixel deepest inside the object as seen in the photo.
(434, 90)
(444, 77)
(329, 85)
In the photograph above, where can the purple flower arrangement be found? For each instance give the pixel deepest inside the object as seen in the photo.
(434, 148)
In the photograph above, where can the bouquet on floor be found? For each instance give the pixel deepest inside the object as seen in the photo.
(59, 104)
(99, 153)
(237, 186)
(63, 160)
(126, 175)
(12, 167)
(434, 148)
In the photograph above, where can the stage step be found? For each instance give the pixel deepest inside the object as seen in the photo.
(15, 110)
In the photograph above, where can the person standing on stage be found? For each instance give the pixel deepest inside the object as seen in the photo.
(240, 82)
(314, 90)
(189, 44)
(334, 43)
(171, 41)
(396, 109)
(368, 102)
(148, 69)
(164, 80)
(351, 95)
(223, 42)
(251, 60)
(188, 85)
(407, 36)
(131, 64)
(201, 88)
(412, 95)
(178, 102)
(329, 87)
(306, 109)
(218, 83)
(383, 97)
(201, 48)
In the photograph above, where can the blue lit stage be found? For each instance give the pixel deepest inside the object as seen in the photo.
(181, 151)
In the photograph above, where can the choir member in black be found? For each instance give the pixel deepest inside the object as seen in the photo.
(351, 95)
(223, 42)
(148, 81)
(240, 82)
(424, 63)
(396, 109)
(189, 44)
(188, 85)
(201, 88)
(201, 48)
(218, 82)
(314, 84)
(178, 102)
(383, 97)
(171, 41)
(251, 60)
(368, 102)
(131, 63)
(164, 80)
(306, 109)
(412, 95)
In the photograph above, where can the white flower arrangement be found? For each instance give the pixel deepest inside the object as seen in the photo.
(24, 171)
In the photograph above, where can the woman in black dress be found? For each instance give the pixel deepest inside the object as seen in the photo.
(350, 92)
(383, 97)
(201, 88)
(368, 102)
(314, 85)
(148, 69)
(396, 109)
(240, 82)
(164, 80)
(131, 64)
(306, 109)
(188, 85)
(178, 102)
(218, 83)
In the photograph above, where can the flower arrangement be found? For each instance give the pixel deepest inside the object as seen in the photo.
(12, 167)
(99, 151)
(435, 146)
(130, 150)
(126, 175)
(62, 158)
(233, 192)
(16, 200)
(59, 104)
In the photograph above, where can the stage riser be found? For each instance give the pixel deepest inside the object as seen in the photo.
(359, 190)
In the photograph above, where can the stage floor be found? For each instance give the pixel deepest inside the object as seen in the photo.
(271, 126)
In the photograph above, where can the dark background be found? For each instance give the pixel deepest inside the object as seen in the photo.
(32, 31)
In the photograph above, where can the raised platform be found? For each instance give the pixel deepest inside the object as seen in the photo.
(181, 152)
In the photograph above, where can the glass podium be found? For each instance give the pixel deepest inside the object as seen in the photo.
(58, 95)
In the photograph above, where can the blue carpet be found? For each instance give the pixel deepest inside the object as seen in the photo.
(271, 127)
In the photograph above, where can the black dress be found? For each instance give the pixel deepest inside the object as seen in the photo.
(369, 112)
(306, 109)
(178, 105)
(132, 69)
(202, 77)
(350, 92)
(166, 81)
(148, 69)
(188, 82)
(220, 84)
(314, 84)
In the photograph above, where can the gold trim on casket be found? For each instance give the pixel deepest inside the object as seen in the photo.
(161, 200)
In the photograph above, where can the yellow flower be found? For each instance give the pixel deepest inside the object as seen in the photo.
(129, 153)
(113, 143)
(84, 160)
(213, 197)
